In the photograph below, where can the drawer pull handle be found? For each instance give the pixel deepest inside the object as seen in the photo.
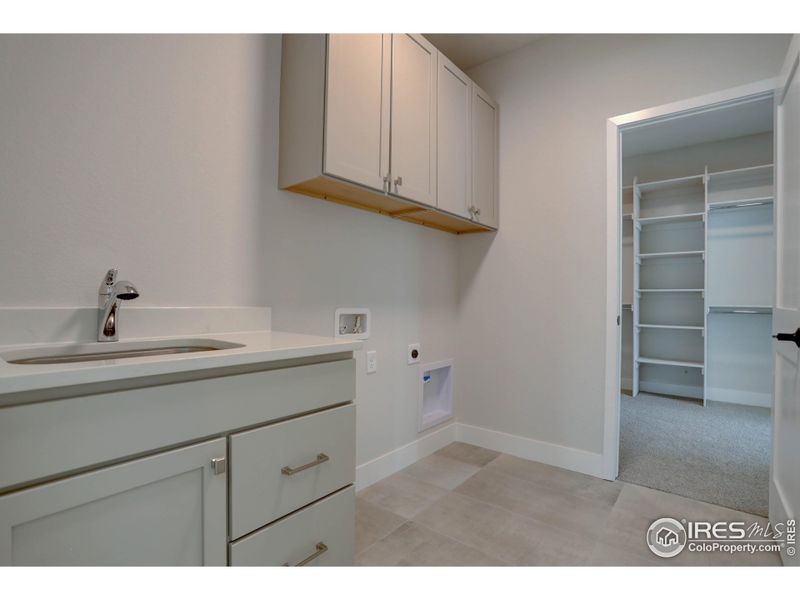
(321, 458)
(320, 550)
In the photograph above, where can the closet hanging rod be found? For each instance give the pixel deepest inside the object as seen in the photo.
(740, 204)
(740, 311)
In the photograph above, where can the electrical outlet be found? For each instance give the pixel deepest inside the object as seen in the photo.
(413, 353)
(372, 361)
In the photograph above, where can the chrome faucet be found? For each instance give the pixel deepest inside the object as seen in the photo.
(111, 292)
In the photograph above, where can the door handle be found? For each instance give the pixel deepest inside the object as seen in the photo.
(789, 337)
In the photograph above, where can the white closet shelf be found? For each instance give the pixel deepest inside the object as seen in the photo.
(686, 327)
(672, 363)
(751, 309)
(745, 171)
(671, 290)
(627, 306)
(741, 203)
(669, 183)
(681, 254)
(627, 215)
(693, 216)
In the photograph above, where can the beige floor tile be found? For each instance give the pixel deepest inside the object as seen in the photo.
(637, 507)
(512, 538)
(441, 471)
(402, 495)
(555, 478)
(415, 545)
(551, 505)
(474, 455)
(373, 523)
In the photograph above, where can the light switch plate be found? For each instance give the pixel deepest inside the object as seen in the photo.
(372, 361)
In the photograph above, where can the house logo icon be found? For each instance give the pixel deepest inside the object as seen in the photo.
(666, 537)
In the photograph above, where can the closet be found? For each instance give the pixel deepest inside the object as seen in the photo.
(698, 257)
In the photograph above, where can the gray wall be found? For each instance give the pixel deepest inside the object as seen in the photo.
(531, 318)
(158, 155)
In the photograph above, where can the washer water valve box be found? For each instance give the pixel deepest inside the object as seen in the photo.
(352, 323)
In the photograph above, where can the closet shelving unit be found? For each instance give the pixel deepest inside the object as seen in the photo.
(702, 255)
(669, 246)
(741, 258)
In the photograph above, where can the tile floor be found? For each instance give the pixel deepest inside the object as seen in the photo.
(466, 505)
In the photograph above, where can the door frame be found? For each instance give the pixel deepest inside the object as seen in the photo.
(613, 335)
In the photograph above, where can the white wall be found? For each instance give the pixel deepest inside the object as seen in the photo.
(158, 155)
(531, 313)
(735, 153)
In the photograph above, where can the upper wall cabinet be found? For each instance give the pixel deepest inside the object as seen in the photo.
(484, 158)
(386, 123)
(454, 148)
(357, 108)
(413, 119)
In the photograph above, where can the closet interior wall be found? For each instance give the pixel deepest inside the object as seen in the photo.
(697, 257)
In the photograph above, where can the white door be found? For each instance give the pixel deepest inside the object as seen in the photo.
(784, 493)
(453, 143)
(162, 510)
(413, 132)
(484, 158)
(357, 108)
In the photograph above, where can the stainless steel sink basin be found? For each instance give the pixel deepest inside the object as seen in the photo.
(111, 351)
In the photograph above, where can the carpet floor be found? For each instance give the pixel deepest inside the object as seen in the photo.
(718, 454)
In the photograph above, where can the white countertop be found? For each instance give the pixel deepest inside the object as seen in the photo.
(258, 347)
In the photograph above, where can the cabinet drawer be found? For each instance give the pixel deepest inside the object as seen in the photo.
(325, 529)
(268, 480)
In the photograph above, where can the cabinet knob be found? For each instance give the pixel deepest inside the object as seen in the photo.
(219, 465)
(398, 181)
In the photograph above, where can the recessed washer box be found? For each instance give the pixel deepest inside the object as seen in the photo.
(435, 394)
(353, 323)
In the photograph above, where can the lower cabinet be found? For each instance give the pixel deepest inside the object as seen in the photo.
(166, 509)
(277, 469)
(322, 534)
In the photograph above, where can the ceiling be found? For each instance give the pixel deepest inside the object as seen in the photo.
(710, 126)
(469, 50)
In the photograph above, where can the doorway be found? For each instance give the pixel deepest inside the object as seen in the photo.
(695, 285)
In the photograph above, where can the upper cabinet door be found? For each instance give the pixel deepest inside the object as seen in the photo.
(484, 158)
(453, 142)
(357, 108)
(413, 117)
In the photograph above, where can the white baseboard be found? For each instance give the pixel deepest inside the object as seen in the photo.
(379, 468)
(590, 463)
(740, 397)
(370, 472)
(671, 389)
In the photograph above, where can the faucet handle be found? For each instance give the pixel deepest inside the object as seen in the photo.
(108, 281)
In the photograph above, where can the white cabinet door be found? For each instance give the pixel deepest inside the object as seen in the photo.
(413, 118)
(357, 108)
(453, 144)
(167, 509)
(484, 157)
